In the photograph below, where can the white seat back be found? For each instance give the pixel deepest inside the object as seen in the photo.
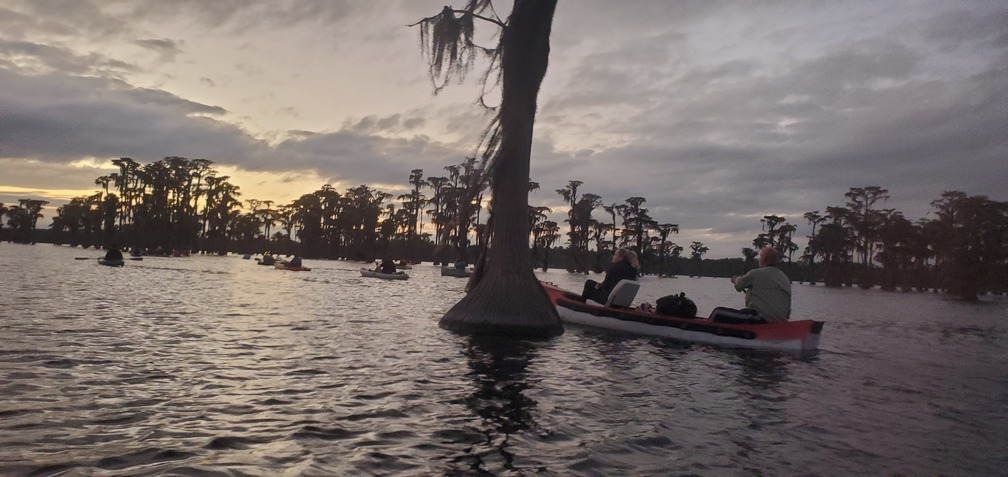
(623, 293)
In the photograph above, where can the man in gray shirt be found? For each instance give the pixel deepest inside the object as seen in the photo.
(767, 289)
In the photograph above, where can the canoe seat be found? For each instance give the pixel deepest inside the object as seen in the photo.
(623, 293)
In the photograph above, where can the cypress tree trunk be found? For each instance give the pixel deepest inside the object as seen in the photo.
(509, 300)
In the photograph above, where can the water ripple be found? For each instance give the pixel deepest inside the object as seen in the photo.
(216, 366)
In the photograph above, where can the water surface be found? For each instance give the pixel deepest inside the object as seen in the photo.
(217, 366)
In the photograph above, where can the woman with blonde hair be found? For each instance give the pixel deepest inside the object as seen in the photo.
(624, 267)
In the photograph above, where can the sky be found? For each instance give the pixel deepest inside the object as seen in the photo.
(716, 112)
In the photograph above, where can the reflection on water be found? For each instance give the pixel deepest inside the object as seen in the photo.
(498, 398)
(763, 372)
(214, 365)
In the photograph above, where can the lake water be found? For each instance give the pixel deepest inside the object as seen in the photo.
(217, 366)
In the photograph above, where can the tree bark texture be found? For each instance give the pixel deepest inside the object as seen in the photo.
(509, 300)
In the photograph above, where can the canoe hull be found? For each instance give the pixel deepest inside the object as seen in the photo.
(111, 263)
(800, 335)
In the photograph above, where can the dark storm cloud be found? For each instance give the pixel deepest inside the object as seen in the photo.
(59, 118)
(48, 175)
(349, 156)
(721, 143)
(62, 119)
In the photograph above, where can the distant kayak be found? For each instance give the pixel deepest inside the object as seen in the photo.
(284, 266)
(111, 263)
(384, 276)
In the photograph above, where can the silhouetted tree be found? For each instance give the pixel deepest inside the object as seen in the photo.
(569, 193)
(833, 244)
(897, 237)
(697, 251)
(636, 223)
(582, 225)
(612, 210)
(863, 221)
(550, 235)
(814, 219)
(504, 297)
(663, 232)
(971, 239)
(23, 218)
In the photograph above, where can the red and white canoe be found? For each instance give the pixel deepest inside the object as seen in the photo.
(802, 335)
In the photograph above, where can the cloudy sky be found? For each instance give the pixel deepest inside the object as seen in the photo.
(718, 113)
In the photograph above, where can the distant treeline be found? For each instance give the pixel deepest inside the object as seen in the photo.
(963, 251)
(182, 204)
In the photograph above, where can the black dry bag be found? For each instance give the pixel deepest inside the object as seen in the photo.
(676, 305)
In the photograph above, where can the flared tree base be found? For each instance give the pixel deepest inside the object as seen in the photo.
(512, 305)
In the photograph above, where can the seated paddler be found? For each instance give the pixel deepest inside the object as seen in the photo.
(767, 294)
(114, 254)
(624, 267)
(387, 266)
